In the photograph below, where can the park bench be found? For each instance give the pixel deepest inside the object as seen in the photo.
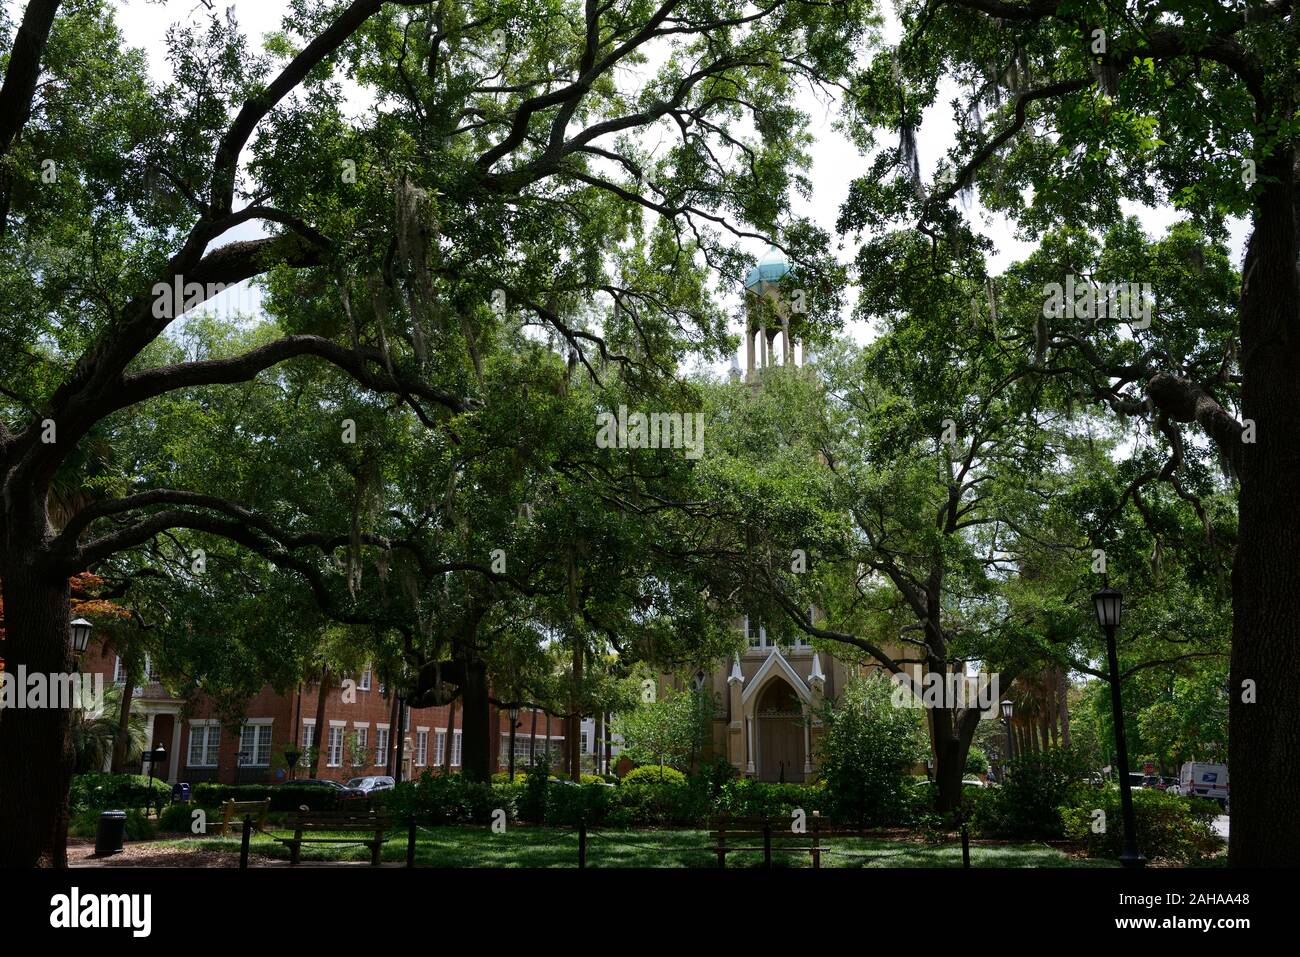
(732, 834)
(354, 822)
(769, 834)
(236, 811)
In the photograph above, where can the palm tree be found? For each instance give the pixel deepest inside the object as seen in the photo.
(95, 729)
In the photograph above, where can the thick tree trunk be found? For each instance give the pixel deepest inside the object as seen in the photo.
(399, 753)
(1264, 729)
(451, 737)
(36, 758)
(950, 753)
(320, 737)
(475, 742)
(394, 713)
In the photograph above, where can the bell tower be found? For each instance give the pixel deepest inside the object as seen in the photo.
(767, 315)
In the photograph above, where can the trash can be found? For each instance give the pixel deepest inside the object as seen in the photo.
(112, 830)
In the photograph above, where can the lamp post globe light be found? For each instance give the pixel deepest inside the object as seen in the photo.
(1109, 606)
(80, 635)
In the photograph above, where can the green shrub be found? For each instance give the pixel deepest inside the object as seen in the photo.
(653, 803)
(284, 797)
(1027, 804)
(865, 754)
(653, 773)
(85, 823)
(177, 818)
(532, 800)
(452, 799)
(568, 805)
(745, 797)
(1169, 827)
(98, 791)
(977, 762)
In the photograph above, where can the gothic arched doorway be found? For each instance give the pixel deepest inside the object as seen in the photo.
(780, 733)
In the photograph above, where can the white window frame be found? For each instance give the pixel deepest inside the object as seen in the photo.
(362, 732)
(364, 683)
(334, 744)
(439, 746)
(455, 749)
(421, 747)
(308, 741)
(382, 741)
(211, 751)
(265, 758)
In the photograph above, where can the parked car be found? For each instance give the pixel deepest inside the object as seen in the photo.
(1204, 781)
(315, 783)
(367, 786)
(1155, 782)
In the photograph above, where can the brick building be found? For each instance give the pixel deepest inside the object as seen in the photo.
(360, 736)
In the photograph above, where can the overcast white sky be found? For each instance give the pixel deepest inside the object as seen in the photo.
(835, 160)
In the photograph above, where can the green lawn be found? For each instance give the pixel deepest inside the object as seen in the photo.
(539, 847)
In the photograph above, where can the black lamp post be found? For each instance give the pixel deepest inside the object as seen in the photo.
(1109, 605)
(513, 713)
(1008, 709)
(154, 757)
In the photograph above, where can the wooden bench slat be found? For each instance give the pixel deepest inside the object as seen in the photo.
(356, 822)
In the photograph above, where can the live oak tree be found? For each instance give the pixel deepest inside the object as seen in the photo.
(1063, 110)
(388, 243)
(940, 503)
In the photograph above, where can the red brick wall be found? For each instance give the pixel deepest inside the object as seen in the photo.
(287, 713)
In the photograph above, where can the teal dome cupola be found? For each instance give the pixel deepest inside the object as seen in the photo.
(764, 278)
(769, 304)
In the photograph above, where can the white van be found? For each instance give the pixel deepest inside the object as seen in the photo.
(1204, 781)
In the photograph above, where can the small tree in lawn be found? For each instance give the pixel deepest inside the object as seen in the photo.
(671, 731)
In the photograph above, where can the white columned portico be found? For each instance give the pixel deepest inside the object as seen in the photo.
(148, 730)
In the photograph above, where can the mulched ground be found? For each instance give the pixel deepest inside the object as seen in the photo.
(143, 854)
(148, 854)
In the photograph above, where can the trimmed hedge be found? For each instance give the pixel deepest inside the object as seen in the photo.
(284, 797)
(98, 791)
